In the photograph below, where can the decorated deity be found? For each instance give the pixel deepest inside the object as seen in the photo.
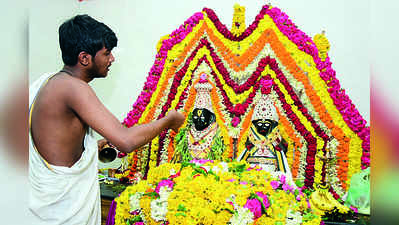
(201, 138)
(264, 146)
(328, 140)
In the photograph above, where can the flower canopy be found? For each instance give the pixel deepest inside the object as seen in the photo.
(328, 140)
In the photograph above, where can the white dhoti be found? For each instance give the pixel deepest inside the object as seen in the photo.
(63, 195)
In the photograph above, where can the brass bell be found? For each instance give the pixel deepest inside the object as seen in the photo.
(107, 154)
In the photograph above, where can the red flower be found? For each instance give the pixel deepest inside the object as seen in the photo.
(235, 121)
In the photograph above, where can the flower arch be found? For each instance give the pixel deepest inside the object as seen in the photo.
(328, 140)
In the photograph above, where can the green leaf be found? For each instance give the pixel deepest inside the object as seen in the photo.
(308, 216)
(153, 195)
(133, 220)
(229, 210)
(217, 147)
(217, 178)
(180, 214)
(181, 207)
(299, 183)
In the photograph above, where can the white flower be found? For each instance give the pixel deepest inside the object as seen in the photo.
(164, 193)
(242, 217)
(234, 131)
(172, 172)
(207, 168)
(159, 207)
(293, 218)
(216, 169)
(277, 174)
(134, 201)
(225, 167)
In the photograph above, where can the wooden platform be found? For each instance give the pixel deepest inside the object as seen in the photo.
(107, 196)
(105, 204)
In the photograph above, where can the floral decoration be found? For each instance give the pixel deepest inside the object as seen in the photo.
(327, 139)
(207, 192)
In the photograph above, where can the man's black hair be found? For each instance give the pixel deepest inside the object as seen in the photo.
(83, 33)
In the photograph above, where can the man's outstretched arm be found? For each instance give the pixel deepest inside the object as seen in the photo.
(82, 99)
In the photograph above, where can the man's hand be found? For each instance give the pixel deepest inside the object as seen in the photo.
(175, 119)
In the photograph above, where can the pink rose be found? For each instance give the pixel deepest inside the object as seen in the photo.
(275, 184)
(287, 187)
(265, 199)
(121, 154)
(354, 209)
(254, 206)
(201, 161)
(235, 121)
(282, 179)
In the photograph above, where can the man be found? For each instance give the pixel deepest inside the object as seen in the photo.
(63, 155)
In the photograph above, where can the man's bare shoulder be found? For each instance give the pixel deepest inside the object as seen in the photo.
(64, 81)
(62, 85)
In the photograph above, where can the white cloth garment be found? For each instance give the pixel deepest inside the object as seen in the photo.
(63, 195)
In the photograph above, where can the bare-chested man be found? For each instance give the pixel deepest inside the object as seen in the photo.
(62, 155)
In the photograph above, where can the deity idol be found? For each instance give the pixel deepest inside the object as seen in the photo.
(201, 138)
(264, 146)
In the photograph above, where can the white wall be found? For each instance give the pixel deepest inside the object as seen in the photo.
(140, 24)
